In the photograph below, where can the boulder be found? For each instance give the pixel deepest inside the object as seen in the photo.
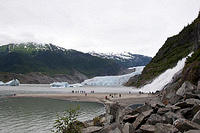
(165, 128)
(189, 114)
(196, 117)
(109, 118)
(173, 108)
(190, 95)
(162, 111)
(147, 128)
(141, 109)
(185, 125)
(171, 117)
(193, 131)
(192, 101)
(114, 112)
(140, 119)
(186, 87)
(130, 118)
(155, 103)
(169, 93)
(128, 128)
(91, 129)
(155, 118)
(183, 111)
(116, 130)
(112, 128)
(183, 104)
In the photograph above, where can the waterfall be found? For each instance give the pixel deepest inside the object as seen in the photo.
(158, 83)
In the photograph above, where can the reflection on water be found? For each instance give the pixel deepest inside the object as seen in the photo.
(37, 115)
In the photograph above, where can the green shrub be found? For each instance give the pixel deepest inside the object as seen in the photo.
(68, 123)
(97, 121)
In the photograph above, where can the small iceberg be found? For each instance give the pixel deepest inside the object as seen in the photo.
(59, 84)
(14, 82)
(1, 83)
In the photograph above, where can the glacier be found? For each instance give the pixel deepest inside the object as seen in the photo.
(112, 80)
(166, 77)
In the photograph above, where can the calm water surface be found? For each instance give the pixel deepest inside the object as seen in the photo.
(37, 115)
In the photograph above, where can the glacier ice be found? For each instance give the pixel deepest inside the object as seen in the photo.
(1, 83)
(59, 84)
(112, 80)
(14, 82)
(75, 85)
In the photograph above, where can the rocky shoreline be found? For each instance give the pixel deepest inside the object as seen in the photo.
(171, 112)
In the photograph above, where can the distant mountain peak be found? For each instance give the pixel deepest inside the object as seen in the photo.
(126, 58)
(32, 46)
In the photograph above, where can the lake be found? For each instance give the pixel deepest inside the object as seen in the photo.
(37, 115)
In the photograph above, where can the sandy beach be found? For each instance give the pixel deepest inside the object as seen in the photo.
(125, 99)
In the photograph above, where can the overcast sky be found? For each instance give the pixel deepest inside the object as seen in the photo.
(138, 26)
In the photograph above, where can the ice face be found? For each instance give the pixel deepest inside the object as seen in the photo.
(112, 80)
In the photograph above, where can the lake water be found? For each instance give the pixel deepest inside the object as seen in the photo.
(37, 115)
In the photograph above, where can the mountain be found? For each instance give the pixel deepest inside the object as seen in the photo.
(47, 59)
(173, 50)
(126, 59)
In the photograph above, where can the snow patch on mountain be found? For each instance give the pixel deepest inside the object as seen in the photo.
(118, 56)
(36, 46)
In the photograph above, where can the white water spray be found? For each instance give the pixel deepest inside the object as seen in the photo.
(163, 79)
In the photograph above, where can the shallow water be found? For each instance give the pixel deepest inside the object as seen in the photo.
(37, 115)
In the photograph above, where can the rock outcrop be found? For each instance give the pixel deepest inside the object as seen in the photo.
(157, 116)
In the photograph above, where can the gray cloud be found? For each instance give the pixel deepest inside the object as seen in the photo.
(139, 26)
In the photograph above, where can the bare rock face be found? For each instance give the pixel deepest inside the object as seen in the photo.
(147, 128)
(185, 125)
(139, 120)
(165, 128)
(186, 87)
(128, 128)
(196, 117)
